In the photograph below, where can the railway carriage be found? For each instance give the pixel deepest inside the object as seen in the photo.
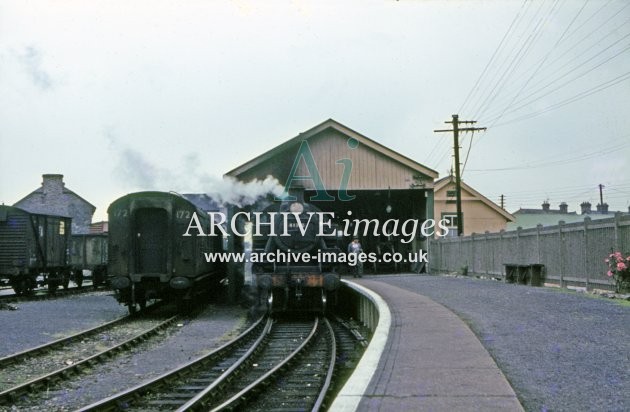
(149, 258)
(33, 249)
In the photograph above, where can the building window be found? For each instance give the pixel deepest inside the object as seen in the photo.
(451, 223)
(62, 227)
(450, 196)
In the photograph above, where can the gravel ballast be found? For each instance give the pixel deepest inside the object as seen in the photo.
(37, 322)
(560, 350)
(182, 343)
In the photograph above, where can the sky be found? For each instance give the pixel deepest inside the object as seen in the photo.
(123, 96)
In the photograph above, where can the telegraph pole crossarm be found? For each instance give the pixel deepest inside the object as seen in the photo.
(458, 185)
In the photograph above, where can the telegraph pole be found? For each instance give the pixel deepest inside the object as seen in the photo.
(503, 202)
(601, 194)
(458, 184)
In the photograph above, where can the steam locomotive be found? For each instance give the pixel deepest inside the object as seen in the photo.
(292, 283)
(148, 256)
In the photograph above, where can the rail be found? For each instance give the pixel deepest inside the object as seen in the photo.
(12, 394)
(135, 397)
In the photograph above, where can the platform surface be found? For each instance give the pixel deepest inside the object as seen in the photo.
(432, 361)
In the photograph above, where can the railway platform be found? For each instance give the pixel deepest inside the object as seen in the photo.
(429, 360)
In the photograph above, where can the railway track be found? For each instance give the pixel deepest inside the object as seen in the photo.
(300, 382)
(50, 346)
(71, 352)
(279, 364)
(44, 294)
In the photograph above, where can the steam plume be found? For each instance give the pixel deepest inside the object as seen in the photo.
(232, 191)
(137, 172)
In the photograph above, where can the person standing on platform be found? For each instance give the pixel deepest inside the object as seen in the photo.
(355, 248)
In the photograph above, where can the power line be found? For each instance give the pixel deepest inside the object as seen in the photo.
(500, 72)
(579, 96)
(581, 42)
(539, 164)
(527, 103)
(542, 61)
(532, 97)
(613, 31)
(522, 52)
(494, 54)
(470, 143)
(564, 193)
(566, 189)
(430, 155)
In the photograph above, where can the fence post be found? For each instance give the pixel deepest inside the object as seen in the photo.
(617, 243)
(519, 260)
(587, 261)
(561, 244)
(501, 254)
(472, 253)
(460, 245)
(441, 255)
(538, 227)
(489, 257)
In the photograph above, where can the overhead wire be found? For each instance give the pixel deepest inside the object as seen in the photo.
(589, 18)
(540, 164)
(470, 143)
(561, 193)
(492, 58)
(515, 61)
(600, 40)
(599, 64)
(579, 96)
(525, 47)
(495, 73)
(490, 87)
(542, 62)
(566, 193)
(579, 42)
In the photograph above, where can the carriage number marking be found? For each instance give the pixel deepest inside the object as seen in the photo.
(121, 213)
(182, 214)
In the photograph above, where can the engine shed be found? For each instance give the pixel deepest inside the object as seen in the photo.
(356, 178)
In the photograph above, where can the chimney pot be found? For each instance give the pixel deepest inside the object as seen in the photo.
(564, 208)
(586, 208)
(545, 206)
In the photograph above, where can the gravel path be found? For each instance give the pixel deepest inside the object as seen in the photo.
(38, 322)
(560, 350)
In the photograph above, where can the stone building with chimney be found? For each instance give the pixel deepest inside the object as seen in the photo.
(53, 198)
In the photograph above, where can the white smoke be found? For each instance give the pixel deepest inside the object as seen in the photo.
(137, 172)
(231, 191)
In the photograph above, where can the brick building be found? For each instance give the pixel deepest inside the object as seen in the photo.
(53, 198)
